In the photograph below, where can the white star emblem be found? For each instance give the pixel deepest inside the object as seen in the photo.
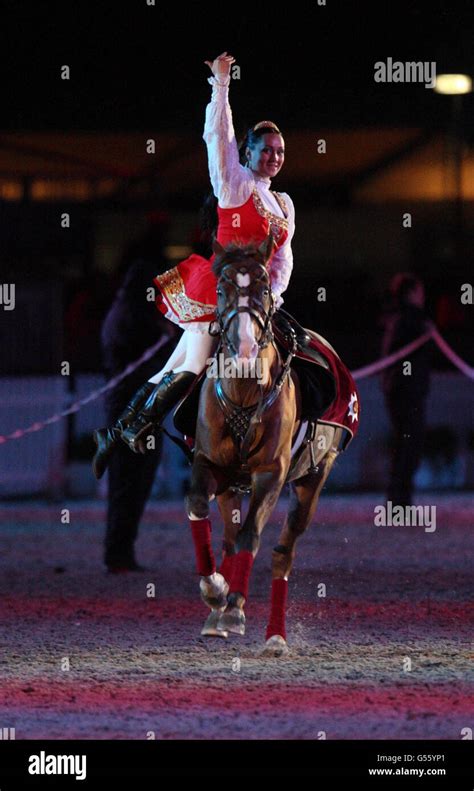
(353, 410)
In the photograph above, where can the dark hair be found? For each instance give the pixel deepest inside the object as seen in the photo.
(208, 211)
(401, 285)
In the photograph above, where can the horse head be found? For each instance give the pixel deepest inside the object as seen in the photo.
(244, 293)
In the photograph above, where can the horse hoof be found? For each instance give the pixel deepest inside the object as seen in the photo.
(232, 620)
(214, 591)
(276, 645)
(211, 623)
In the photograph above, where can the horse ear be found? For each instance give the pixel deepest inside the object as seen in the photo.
(217, 248)
(266, 248)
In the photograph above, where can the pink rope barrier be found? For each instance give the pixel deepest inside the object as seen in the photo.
(380, 365)
(466, 369)
(360, 373)
(76, 406)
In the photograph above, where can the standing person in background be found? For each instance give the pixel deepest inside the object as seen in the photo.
(130, 327)
(405, 391)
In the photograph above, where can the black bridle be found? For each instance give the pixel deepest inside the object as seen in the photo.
(255, 309)
(243, 420)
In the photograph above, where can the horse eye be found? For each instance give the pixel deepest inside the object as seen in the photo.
(219, 292)
(265, 292)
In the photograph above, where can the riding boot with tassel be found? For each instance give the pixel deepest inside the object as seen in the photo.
(106, 439)
(169, 390)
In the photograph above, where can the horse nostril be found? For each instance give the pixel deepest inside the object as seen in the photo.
(248, 350)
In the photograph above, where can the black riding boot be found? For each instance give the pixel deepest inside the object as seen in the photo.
(172, 387)
(106, 439)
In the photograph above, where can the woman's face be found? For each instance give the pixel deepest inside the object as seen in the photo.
(268, 156)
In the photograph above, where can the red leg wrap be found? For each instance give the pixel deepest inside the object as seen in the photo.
(227, 567)
(201, 530)
(276, 624)
(243, 562)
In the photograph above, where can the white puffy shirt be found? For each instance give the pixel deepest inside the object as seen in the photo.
(233, 183)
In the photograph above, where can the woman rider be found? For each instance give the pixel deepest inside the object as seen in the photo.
(247, 209)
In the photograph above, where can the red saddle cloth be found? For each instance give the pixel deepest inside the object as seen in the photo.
(344, 411)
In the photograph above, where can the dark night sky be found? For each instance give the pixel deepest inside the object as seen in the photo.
(136, 67)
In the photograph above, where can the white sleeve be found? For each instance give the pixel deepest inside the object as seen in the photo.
(232, 182)
(281, 265)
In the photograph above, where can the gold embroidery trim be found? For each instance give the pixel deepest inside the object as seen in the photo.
(278, 225)
(172, 285)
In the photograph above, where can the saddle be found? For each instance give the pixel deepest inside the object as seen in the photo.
(317, 383)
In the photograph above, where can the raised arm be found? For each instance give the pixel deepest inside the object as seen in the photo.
(229, 179)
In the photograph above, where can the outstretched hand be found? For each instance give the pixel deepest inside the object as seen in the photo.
(220, 67)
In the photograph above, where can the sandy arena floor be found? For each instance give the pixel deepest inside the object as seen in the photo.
(138, 664)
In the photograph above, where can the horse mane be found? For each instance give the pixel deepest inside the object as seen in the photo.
(247, 254)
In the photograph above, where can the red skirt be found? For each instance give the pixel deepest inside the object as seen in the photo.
(187, 293)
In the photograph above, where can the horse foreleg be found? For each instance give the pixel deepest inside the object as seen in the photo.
(229, 504)
(230, 507)
(305, 494)
(203, 486)
(266, 488)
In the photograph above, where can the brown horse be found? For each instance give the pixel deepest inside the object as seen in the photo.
(246, 423)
